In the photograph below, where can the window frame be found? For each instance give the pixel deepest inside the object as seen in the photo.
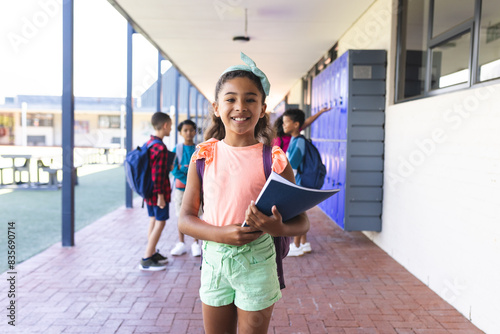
(472, 25)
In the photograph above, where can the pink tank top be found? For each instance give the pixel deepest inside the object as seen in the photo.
(233, 177)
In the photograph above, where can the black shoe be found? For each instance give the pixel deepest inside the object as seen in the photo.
(151, 265)
(159, 258)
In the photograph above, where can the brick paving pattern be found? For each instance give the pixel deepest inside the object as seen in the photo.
(347, 285)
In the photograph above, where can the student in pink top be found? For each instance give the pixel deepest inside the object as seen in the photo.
(239, 281)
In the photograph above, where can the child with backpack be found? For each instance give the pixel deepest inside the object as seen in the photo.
(158, 202)
(299, 153)
(183, 153)
(282, 139)
(239, 280)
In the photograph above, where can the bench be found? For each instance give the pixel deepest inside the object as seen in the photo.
(1, 173)
(53, 171)
(16, 166)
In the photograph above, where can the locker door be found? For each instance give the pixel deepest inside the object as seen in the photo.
(325, 156)
(335, 101)
(329, 115)
(334, 147)
(326, 152)
(324, 97)
(342, 154)
(314, 106)
(343, 95)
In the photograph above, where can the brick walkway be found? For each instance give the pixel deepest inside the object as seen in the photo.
(347, 285)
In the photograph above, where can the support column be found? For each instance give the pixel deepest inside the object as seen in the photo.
(196, 115)
(159, 83)
(189, 101)
(68, 127)
(177, 102)
(129, 109)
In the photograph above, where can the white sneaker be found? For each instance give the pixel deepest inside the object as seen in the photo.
(195, 249)
(179, 249)
(306, 248)
(295, 251)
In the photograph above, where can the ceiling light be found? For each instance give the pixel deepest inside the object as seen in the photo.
(243, 39)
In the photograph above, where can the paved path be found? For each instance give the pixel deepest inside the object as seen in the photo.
(347, 285)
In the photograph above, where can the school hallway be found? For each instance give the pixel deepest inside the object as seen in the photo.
(346, 285)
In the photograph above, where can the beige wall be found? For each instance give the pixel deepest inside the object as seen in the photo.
(295, 94)
(376, 29)
(442, 182)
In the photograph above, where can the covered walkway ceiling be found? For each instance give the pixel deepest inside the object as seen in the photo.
(287, 36)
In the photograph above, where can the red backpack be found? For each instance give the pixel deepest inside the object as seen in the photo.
(282, 244)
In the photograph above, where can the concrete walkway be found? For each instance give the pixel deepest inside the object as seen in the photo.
(347, 285)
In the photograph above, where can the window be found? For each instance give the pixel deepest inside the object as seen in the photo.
(445, 45)
(448, 14)
(450, 62)
(412, 49)
(39, 120)
(36, 140)
(489, 41)
(109, 122)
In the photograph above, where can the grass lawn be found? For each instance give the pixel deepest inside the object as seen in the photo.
(37, 213)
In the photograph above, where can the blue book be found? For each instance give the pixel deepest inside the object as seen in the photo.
(289, 198)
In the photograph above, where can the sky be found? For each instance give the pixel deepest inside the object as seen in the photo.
(31, 50)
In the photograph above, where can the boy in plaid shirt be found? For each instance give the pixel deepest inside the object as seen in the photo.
(158, 203)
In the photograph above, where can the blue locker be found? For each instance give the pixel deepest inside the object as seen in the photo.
(314, 106)
(341, 177)
(350, 137)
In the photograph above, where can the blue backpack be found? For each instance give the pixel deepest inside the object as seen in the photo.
(312, 170)
(138, 171)
(281, 244)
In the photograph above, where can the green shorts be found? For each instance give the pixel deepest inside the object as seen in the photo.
(245, 275)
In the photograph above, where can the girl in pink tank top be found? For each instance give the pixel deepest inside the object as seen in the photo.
(239, 281)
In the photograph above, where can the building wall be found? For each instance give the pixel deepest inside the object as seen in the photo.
(91, 135)
(58, 129)
(7, 125)
(295, 94)
(142, 128)
(45, 131)
(87, 130)
(442, 182)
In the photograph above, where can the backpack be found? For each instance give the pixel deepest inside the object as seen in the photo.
(179, 150)
(138, 171)
(312, 170)
(281, 244)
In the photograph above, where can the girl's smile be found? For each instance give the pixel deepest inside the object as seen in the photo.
(240, 119)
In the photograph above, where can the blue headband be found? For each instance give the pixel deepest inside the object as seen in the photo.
(251, 67)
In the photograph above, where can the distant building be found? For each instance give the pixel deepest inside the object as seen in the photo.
(99, 121)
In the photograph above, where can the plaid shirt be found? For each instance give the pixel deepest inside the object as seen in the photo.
(158, 154)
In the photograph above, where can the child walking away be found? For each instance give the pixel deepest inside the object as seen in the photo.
(183, 151)
(158, 203)
(239, 280)
(293, 120)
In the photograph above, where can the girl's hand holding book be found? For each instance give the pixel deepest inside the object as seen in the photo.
(270, 224)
